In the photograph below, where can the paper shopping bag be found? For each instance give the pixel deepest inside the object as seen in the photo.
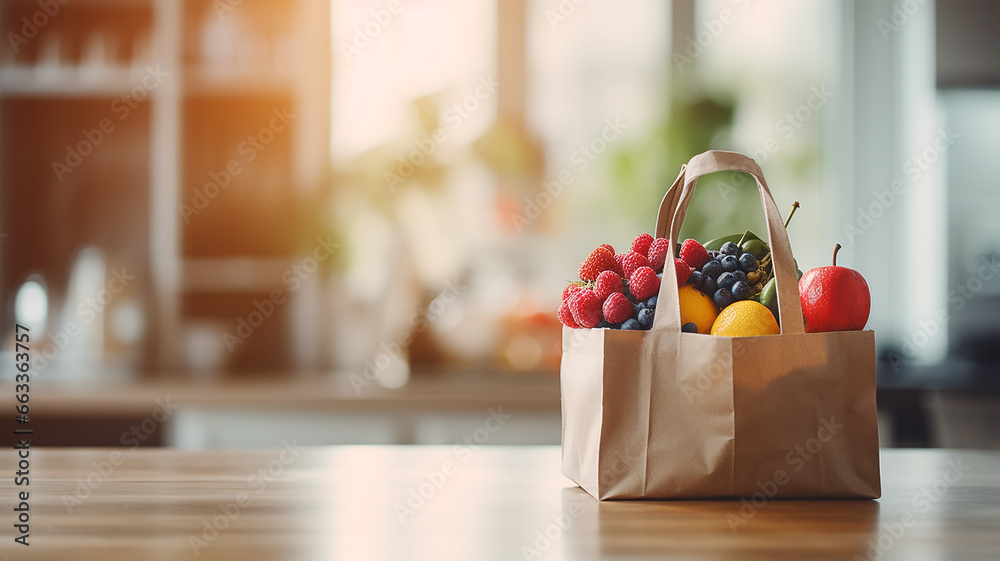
(668, 414)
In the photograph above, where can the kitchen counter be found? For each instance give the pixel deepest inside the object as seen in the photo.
(433, 408)
(444, 502)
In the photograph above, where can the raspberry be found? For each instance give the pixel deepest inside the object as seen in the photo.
(607, 283)
(683, 271)
(609, 246)
(641, 243)
(586, 308)
(601, 259)
(693, 253)
(643, 283)
(617, 308)
(631, 262)
(658, 253)
(571, 289)
(566, 317)
(618, 264)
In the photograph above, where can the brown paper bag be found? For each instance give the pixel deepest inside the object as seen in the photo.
(667, 414)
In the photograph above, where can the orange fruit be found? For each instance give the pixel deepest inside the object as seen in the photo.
(745, 318)
(697, 308)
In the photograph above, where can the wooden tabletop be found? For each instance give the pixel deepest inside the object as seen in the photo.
(402, 503)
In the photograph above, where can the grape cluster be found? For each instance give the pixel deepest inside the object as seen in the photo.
(724, 276)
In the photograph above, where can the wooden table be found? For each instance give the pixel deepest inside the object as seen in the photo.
(403, 503)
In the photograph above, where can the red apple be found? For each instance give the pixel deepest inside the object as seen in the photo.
(834, 298)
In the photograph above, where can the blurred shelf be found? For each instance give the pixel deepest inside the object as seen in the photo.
(69, 81)
(233, 274)
(952, 375)
(334, 392)
(203, 80)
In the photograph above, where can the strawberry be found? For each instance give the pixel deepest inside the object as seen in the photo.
(643, 283)
(617, 308)
(601, 259)
(693, 253)
(609, 246)
(631, 262)
(566, 317)
(570, 290)
(641, 243)
(683, 271)
(607, 283)
(586, 308)
(658, 253)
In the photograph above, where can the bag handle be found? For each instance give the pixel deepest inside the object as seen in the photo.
(670, 217)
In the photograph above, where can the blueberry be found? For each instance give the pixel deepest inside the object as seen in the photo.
(631, 324)
(729, 248)
(727, 280)
(712, 269)
(639, 307)
(651, 303)
(695, 278)
(708, 285)
(689, 328)
(741, 290)
(723, 298)
(713, 254)
(604, 324)
(659, 276)
(646, 318)
(616, 326)
(748, 263)
(730, 263)
(740, 275)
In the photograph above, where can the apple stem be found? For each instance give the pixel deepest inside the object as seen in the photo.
(795, 205)
(835, 250)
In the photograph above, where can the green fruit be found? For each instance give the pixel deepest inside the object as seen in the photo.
(757, 248)
(769, 297)
(747, 236)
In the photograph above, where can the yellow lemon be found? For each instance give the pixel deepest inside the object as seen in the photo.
(745, 318)
(697, 308)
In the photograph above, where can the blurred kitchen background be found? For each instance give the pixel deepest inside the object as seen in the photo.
(230, 223)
